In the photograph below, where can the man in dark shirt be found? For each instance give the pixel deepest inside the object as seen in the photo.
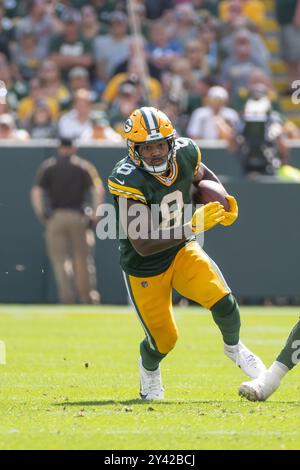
(64, 180)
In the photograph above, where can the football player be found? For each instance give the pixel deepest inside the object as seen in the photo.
(267, 383)
(160, 169)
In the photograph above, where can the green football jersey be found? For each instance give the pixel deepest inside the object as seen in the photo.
(128, 181)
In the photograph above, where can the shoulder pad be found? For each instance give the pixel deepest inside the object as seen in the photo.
(190, 151)
(126, 181)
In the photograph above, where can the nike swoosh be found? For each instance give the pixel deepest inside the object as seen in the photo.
(121, 182)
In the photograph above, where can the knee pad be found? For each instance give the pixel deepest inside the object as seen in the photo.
(167, 340)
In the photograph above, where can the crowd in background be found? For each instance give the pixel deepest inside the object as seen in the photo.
(73, 68)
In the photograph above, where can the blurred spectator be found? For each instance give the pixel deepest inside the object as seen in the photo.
(196, 55)
(99, 80)
(28, 104)
(90, 26)
(172, 108)
(6, 33)
(151, 87)
(39, 22)
(77, 123)
(205, 7)
(102, 130)
(254, 10)
(14, 8)
(180, 85)
(185, 28)
(70, 241)
(259, 80)
(41, 124)
(228, 32)
(155, 10)
(113, 48)
(235, 22)
(235, 70)
(288, 17)
(137, 50)
(27, 55)
(104, 9)
(17, 89)
(79, 79)
(214, 121)
(127, 100)
(52, 84)
(208, 37)
(200, 92)
(8, 129)
(69, 49)
(261, 143)
(161, 48)
(257, 77)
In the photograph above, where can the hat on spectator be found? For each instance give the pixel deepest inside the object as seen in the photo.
(217, 93)
(70, 15)
(118, 16)
(7, 120)
(77, 72)
(99, 118)
(65, 142)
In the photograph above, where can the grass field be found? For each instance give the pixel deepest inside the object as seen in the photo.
(71, 382)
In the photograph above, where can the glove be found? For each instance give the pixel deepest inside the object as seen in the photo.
(232, 214)
(207, 217)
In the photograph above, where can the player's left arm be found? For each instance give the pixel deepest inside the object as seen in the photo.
(204, 173)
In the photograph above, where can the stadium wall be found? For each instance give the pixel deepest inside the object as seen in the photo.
(259, 255)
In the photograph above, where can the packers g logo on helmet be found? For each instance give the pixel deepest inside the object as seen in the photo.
(146, 125)
(128, 125)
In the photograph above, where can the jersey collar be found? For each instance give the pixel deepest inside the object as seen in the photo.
(171, 177)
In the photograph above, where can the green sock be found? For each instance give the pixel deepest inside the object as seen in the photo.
(226, 315)
(290, 355)
(150, 357)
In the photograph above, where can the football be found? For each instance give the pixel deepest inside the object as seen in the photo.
(209, 191)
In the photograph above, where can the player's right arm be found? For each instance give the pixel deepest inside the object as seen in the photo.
(153, 240)
(156, 240)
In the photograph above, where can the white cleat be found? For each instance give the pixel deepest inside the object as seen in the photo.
(251, 364)
(259, 389)
(151, 387)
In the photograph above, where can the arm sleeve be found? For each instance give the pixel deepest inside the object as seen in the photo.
(123, 188)
(42, 177)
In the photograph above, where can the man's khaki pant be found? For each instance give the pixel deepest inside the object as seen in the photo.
(70, 247)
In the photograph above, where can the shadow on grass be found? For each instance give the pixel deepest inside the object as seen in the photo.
(138, 401)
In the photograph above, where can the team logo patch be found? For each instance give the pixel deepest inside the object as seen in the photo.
(144, 284)
(128, 125)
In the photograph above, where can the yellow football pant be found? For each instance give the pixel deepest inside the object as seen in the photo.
(194, 275)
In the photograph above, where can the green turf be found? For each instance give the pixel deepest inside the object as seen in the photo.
(71, 382)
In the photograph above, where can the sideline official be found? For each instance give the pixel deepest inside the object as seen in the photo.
(58, 198)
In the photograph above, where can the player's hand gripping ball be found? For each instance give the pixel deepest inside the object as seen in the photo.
(207, 216)
(210, 191)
